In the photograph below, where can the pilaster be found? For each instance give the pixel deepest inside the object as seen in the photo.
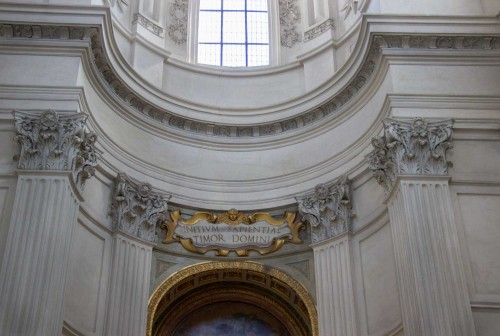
(410, 163)
(57, 156)
(329, 213)
(333, 266)
(135, 210)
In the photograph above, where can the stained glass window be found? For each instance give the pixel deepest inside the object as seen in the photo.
(233, 33)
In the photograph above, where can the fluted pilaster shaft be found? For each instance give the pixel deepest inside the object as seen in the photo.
(434, 296)
(135, 210)
(332, 260)
(129, 292)
(33, 273)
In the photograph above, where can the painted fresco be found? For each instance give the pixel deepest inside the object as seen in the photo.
(231, 319)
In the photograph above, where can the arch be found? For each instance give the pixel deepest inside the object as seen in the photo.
(243, 282)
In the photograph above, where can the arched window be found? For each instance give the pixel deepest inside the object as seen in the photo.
(233, 33)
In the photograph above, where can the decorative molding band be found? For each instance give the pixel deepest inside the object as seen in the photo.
(179, 14)
(328, 210)
(136, 209)
(289, 17)
(180, 123)
(148, 24)
(52, 142)
(410, 148)
(318, 30)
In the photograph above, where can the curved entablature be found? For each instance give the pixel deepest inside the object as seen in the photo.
(318, 113)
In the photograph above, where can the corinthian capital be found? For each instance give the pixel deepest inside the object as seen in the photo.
(52, 142)
(410, 148)
(329, 210)
(135, 208)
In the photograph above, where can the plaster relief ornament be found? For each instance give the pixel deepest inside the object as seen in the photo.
(135, 208)
(289, 17)
(120, 3)
(232, 232)
(52, 142)
(318, 30)
(410, 148)
(335, 105)
(349, 6)
(148, 24)
(178, 29)
(328, 210)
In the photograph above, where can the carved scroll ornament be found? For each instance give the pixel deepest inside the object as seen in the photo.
(232, 231)
(328, 210)
(136, 209)
(410, 148)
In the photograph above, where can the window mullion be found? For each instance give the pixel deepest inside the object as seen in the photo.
(246, 34)
(221, 31)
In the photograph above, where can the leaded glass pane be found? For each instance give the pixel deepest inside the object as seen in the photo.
(258, 55)
(258, 27)
(260, 5)
(209, 54)
(233, 55)
(209, 27)
(233, 32)
(210, 4)
(233, 27)
(234, 4)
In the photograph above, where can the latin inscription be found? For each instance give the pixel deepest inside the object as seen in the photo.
(259, 233)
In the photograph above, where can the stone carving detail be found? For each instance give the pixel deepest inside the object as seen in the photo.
(349, 6)
(148, 24)
(120, 3)
(136, 209)
(410, 148)
(328, 210)
(52, 142)
(318, 30)
(289, 17)
(331, 107)
(178, 29)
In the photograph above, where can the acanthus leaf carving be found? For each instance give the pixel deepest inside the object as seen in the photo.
(289, 17)
(52, 142)
(177, 30)
(410, 148)
(136, 209)
(328, 211)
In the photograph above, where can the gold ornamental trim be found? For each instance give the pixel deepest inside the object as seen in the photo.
(232, 218)
(164, 289)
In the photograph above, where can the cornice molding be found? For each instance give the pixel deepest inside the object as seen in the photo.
(376, 46)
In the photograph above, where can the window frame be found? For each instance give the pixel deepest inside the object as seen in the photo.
(274, 29)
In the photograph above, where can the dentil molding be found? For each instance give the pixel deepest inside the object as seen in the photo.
(52, 142)
(328, 211)
(136, 209)
(410, 148)
(330, 108)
